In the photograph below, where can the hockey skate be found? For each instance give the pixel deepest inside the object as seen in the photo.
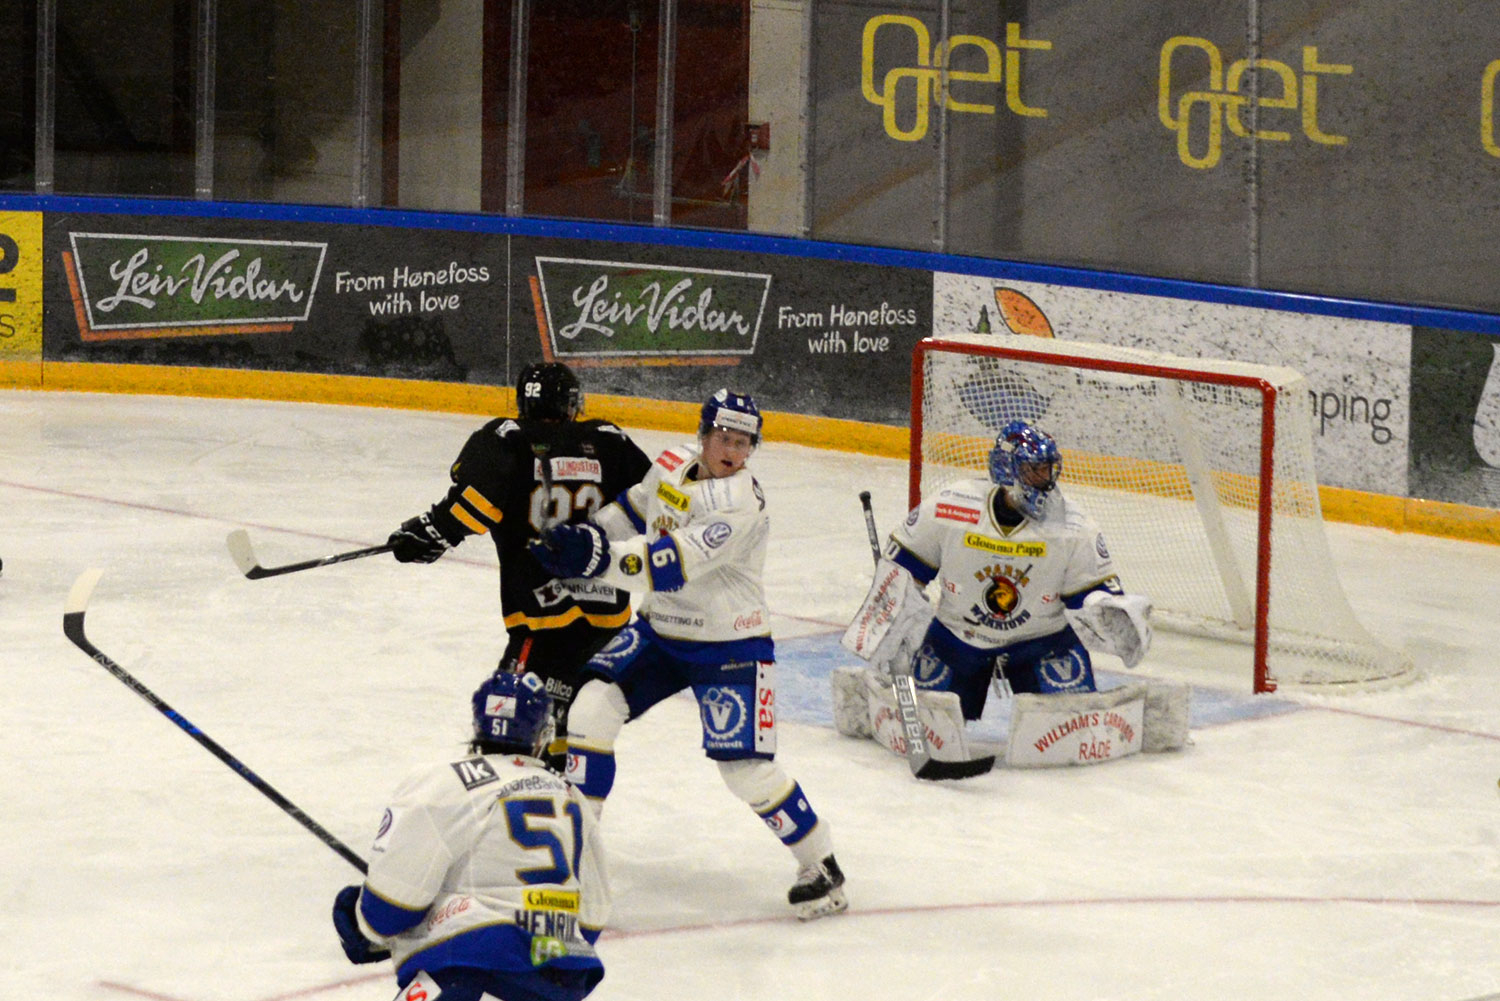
(819, 891)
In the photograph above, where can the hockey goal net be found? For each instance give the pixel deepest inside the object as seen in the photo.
(1200, 474)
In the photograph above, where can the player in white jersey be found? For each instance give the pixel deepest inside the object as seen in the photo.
(486, 877)
(1022, 571)
(690, 541)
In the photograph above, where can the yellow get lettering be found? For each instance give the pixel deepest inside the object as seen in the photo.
(1224, 102)
(1487, 108)
(933, 64)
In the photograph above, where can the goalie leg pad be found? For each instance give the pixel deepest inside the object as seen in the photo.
(851, 702)
(1082, 729)
(940, 713)
(1166, 718)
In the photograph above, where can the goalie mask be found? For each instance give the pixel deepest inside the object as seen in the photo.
(548, 391)
(1026, 463)
(512, 714)
(731, 411)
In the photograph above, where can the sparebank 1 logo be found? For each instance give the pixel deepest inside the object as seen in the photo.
(146, 286)
(1284, 97)
(926, 66)
(618, 310)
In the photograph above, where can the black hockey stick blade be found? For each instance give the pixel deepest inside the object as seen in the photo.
(938, 770)
(73, 613)
(244, 557)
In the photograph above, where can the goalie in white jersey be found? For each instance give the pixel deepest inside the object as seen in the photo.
(690, 541)
(486, 877)
(1025, 586)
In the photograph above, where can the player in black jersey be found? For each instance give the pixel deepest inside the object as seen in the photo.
(499, 486)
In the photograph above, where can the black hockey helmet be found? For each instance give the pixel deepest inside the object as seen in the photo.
(548, 391)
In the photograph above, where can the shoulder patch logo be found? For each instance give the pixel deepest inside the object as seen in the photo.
(1100, 547)
(474, 772)
(631, 564)
(716, 534)
(670, 460)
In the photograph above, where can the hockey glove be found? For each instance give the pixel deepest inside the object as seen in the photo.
(1114, 623)
(418, 541)
(888, 628)
(358, 948)
(572, 550)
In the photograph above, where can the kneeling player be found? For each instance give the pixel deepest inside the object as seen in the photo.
(486, 877)
(1026, 588)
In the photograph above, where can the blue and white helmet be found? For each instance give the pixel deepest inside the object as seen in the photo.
(1026, 463)
(733, 412)
(512, 713)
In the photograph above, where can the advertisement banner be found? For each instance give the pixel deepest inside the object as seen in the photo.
(1161, 139)
(20, 286)
(290, 296)
(806, 336)
(1455, 417)
(1358, 371)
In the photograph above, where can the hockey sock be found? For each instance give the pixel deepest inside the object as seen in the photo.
(593, 772)
(792, 819)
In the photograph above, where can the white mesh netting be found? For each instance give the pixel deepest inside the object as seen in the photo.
(1165, 453)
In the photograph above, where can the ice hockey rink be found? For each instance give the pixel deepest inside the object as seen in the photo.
(1305, 846)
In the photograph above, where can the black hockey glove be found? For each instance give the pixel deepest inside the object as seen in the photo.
(418, 541)
(572, 550)
(358, 948)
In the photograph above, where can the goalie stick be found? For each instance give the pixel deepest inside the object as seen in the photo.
(244, 557)
(904, 687)
(73, 612)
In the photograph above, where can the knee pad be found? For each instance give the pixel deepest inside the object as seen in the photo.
(757, 781)
(597, 714)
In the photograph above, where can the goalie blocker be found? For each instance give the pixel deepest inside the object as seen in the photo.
(1045, 730)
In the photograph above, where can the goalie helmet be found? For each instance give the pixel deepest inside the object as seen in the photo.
(733, 412)
(512, 714)
(1026, 463)
(548, 391)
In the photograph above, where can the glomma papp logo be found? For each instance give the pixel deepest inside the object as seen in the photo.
(144, 286)
(603, 310)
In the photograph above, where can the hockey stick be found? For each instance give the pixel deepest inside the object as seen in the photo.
(904, 687)
(244, 557)
(73, 612)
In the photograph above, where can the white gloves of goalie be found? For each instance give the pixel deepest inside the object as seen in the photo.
(888, 628)
(1114, 623)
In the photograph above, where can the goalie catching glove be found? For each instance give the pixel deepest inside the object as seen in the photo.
(572, 550)
(1119, 624)
(889, 626)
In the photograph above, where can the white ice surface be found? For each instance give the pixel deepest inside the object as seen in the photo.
(1345, 848)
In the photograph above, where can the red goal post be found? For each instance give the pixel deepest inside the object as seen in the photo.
(1200, 473)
